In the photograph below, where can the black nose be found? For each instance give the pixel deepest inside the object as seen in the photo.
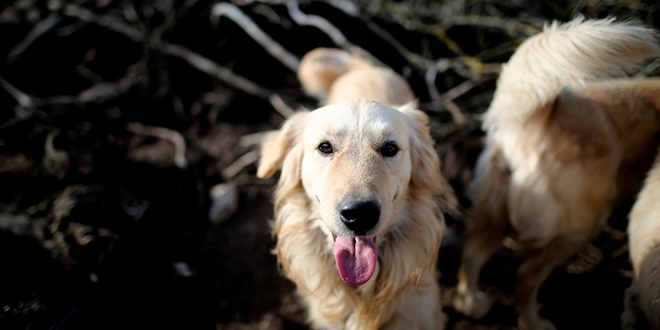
(360, 217)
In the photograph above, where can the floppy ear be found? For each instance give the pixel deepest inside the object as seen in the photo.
(277, 144)
(425, 160)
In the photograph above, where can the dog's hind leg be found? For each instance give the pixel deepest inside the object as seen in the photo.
(533, 272)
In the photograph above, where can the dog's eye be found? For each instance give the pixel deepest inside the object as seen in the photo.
(325, 148)
(389, 150)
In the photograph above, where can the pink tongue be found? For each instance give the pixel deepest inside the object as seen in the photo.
(356, 258)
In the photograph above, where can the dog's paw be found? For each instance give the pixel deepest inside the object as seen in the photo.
(475, 305)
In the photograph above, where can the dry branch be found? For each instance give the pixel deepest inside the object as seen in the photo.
(318, 22)
(38, 30)
(166, 134)
(252, 29)
(21, 98)
(227, 76)
(239, 164)
(107, 21)
(213, 69)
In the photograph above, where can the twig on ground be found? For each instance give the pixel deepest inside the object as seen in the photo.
(429, 77)
(511, 26)
(271, 46)
(21, 98)
(166, 134)
(461, 89)
(250, 140)
(227, 76)
(239, 164)
(56, 161)
(349, 8)
(466, 66)
(107, 21)
(446, 100)
(38, 30)
(213, 69)
(271, 15)
(318, 22)
(280, 106)
(455, 112)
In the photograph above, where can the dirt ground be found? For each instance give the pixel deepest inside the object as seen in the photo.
(119, 119)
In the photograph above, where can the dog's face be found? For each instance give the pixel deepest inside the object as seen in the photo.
(355, 161)
(356, 166)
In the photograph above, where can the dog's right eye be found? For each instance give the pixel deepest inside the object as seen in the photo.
(325, 148)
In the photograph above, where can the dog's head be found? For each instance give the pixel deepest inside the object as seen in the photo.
(357, 163)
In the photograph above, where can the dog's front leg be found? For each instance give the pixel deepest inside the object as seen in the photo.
(484, 238)
(481, 244)
(489, 229)
(419, 307)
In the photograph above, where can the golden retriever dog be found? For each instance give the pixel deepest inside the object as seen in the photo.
(357, 219)
(568, 136)
(644, 244)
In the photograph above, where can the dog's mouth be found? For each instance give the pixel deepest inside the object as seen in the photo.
(356, 258)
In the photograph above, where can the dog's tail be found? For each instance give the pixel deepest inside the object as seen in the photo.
(321, 66)
(564, 55)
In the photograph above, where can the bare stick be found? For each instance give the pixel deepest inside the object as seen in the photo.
(109, 22)
(281, 107)
(213, 69)
(446, 100)
(227, 76)
(430, 75)
(39, 29)
(455, 112)
(271, 46)
(166, 134)
(318, 22)
(510, 26)
(251, 140)
(461, 89)
(349, 8)
(23, 99)
(239, 164)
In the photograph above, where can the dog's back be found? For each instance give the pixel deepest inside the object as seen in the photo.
(562, 116)
(334, 75)
(566, 55)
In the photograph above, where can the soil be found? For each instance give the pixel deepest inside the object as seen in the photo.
(103, 227)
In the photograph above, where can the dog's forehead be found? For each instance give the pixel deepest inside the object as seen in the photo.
(359, 116)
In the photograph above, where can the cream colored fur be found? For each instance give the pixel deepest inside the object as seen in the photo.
(568, 135)
(403, 292)
(644, 243)
(333, 75)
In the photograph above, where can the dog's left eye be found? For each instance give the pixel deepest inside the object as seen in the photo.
(325, 148)
(389, 150)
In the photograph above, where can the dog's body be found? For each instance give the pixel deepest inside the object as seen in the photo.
(356, 218)
(565, 141)
(644, 243)
(334, 75)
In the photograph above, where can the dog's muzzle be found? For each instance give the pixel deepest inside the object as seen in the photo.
(360, 217)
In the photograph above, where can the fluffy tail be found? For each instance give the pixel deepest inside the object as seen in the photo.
(320, 67)
(567, 54)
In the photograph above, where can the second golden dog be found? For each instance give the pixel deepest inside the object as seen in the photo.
(568, 136)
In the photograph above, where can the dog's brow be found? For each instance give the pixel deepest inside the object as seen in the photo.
(386, 132)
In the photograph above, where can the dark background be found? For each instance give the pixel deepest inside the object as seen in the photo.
(100, 227)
